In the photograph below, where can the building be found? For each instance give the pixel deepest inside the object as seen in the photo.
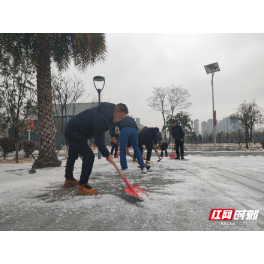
(196, 127)
(203, 128)
(61, 117)
(209, 126)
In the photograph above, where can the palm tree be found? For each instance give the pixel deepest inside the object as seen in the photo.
(84, 49)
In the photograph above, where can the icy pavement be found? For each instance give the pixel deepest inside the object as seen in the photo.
(181, 194)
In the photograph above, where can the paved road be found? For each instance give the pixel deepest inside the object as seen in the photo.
(181, 196)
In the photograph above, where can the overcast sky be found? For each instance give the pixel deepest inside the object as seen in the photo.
(137, 62)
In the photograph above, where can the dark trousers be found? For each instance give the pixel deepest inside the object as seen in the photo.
(79, 147)
(166, 153)
(178, 144)
(148, 144)
(114, 147)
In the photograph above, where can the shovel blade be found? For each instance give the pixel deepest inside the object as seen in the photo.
(159, 159)
(172, 156)
(134, 191)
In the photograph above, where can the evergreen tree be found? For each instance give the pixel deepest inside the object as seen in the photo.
(83, 49)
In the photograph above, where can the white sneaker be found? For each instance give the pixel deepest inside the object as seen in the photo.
(125, 171)
(144, 170)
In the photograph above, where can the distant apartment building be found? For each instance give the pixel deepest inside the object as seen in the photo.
(226, 126)
(203, 128)
(209, 126)
(217, 127)
(196, 127)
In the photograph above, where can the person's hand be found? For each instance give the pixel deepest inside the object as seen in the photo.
(181, 139)
(109, 158)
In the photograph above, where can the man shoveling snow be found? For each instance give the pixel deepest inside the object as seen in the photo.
(93, 122)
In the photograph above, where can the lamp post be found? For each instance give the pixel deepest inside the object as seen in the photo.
(99, 90)
(212, 68)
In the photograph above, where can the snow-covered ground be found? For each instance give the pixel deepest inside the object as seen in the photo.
(181, 194)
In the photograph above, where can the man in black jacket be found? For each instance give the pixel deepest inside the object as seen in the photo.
(145, 137)
(163, 147)
(178, 135)
(114, 134)
(93, 122)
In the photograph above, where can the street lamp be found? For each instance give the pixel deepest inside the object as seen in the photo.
(99, 90)
(212, 68)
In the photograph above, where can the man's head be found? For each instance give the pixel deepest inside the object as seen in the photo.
(116, 131)
(173, 124)
(120, 112)
(160, 143)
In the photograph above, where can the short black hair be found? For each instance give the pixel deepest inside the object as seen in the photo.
(121, 108)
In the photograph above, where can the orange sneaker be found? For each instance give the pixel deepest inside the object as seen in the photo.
(70, 182)
(86, 190)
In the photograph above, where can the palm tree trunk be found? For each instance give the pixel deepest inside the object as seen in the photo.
(47, 147)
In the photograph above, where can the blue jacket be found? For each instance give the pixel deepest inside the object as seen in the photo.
(126, 122)
(150, 133)
(164, 145)
(177, 132)
(93, 122)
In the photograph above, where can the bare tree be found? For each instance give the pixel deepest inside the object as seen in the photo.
(158, 103)
(247, 115)
(178, 98)
(17, 98)
(66, 92)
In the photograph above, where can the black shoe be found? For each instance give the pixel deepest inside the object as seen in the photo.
(182, 157)
(177, 158)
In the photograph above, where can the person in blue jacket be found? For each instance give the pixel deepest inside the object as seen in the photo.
(163, 147)
(178, 135)
(91, 123)
(149, 138)
(129, 132)
(114, 134)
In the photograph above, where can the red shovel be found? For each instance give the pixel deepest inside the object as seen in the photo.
(160, 158)
(172, 156)
(117, 155)
(132, 190)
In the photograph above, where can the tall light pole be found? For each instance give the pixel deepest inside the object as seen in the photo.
(99, 90)
(212, 68)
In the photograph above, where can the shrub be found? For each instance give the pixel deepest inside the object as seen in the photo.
(7, 145)
(262, 144)
(28, 147)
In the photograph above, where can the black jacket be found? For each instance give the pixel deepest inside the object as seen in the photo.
(126, 122)
(177, 132)
(164, 145)
(150, 133)
(92, 122)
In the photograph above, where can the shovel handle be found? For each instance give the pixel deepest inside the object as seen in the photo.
(133, 158)
(157, 152)
(123, 177)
